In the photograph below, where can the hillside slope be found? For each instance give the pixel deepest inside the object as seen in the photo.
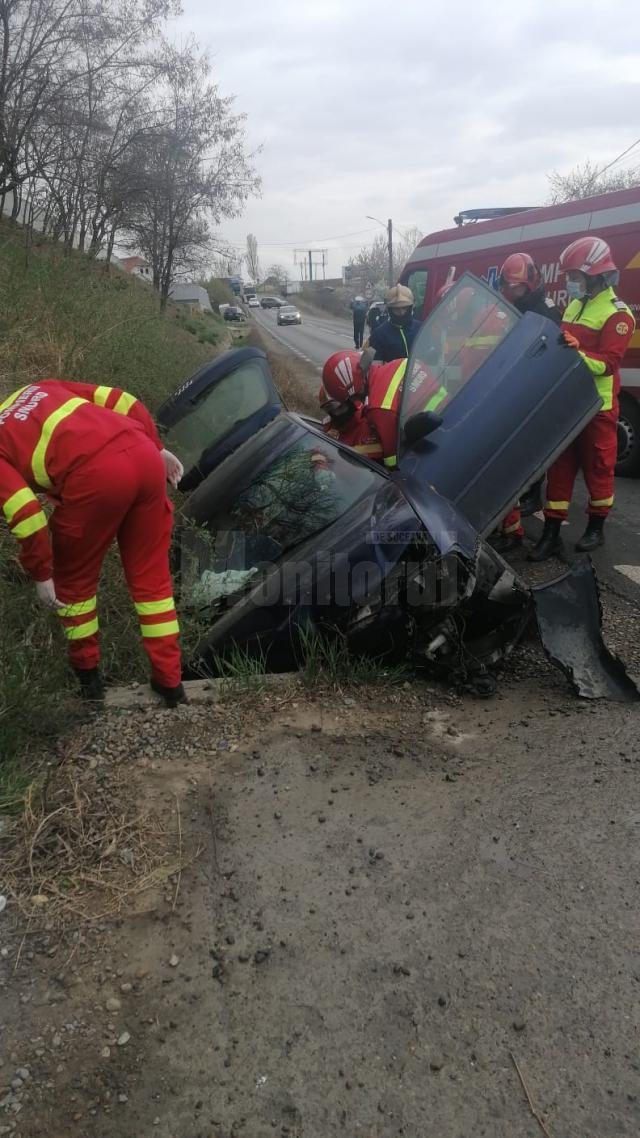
(69, 316)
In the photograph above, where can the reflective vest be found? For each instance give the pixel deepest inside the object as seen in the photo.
(385, 385)
(48, 429)
(603, 327)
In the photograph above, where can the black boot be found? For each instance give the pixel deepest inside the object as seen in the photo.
(531, 502)
(593, 536)
(171, 696)
(91, 687)
(550, 543)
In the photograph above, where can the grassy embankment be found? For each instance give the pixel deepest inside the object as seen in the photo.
(69, 317)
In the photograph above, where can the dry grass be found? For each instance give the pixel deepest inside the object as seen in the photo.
(86, 846)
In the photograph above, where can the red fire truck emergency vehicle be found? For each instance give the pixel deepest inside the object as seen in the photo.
(480, 246)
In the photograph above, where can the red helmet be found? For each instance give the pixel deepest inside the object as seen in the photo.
(518, 269)
(589, 255)
(342, 376)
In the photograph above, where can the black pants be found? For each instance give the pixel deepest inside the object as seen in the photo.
(358, 333)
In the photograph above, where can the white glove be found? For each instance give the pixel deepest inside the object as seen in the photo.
(46, 593)
(173, 467)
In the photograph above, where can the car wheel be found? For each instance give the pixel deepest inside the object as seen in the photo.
(628, 464)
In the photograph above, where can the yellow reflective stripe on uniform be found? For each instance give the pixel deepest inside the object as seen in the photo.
(436, 399)
(79, 631)
(12, 398)
(38, 459)
(512, 528)
(30, 525)
(150, 608)
(390, 460)
(482, 341)
(601, 501)
(169, 628)
(101, 394)
(557, 505)
(17, 501)
(81, 608)
(394, 384)
(368, 448)
(125, 403)
(596, 367)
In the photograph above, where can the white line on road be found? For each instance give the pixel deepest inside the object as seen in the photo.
(630, 571)
(285, 343)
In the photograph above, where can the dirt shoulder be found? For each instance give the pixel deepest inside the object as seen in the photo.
(386, 897)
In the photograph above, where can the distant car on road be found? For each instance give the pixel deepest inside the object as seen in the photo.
(232, 312)
(288, 314)
(253, 302)
(272, 301)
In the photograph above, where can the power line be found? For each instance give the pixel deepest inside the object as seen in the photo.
(615, 160)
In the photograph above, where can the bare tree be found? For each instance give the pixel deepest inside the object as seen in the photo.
(372, 260)
(587, 180)
(251, 258)
(195, 173)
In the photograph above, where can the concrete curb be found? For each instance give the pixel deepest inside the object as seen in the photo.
(199, 692)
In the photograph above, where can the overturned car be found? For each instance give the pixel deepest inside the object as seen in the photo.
(286, 533)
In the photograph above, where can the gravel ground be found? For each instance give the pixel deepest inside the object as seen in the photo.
(398, 895)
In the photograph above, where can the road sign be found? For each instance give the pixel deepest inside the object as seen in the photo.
(368, 290)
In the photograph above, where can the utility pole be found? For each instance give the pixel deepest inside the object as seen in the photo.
(390, 250)
(310, 265)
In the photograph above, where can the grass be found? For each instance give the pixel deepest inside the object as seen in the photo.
(325, 662)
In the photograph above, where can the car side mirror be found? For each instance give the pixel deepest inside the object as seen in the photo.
(421, 425)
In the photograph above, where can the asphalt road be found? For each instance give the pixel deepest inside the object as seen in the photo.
(313, 341)
(618, 563)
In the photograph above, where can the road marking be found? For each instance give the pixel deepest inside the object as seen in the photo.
(630, 571)
(285, 343)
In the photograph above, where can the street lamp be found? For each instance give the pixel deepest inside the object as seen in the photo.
(389, 229)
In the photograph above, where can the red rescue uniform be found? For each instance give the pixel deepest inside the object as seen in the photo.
(357, 432)
(95, 452)
(382, 406)
(603, 327)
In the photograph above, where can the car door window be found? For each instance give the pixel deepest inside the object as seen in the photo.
(455, 340)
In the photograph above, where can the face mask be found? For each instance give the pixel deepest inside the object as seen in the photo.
(576, 290)
(402, 318)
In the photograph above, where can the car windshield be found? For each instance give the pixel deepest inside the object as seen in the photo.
(456, 339)
(296, 496)
(287, 308)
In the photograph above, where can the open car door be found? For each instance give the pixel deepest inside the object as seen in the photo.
(490, 399)
(217, 410)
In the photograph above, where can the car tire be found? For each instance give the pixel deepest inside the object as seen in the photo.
(628, 464)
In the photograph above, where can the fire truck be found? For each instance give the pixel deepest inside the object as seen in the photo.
(482, 239)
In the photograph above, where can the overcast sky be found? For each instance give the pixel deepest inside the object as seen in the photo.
(415, 110)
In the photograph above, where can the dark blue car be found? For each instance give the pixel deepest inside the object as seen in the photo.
(287, 533)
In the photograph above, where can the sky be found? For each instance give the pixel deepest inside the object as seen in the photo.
(414, 110)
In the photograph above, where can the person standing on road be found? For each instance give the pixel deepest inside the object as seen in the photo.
(359, 313)
(392, 339)
(95, 452)
(599, 326)
(521, 283)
